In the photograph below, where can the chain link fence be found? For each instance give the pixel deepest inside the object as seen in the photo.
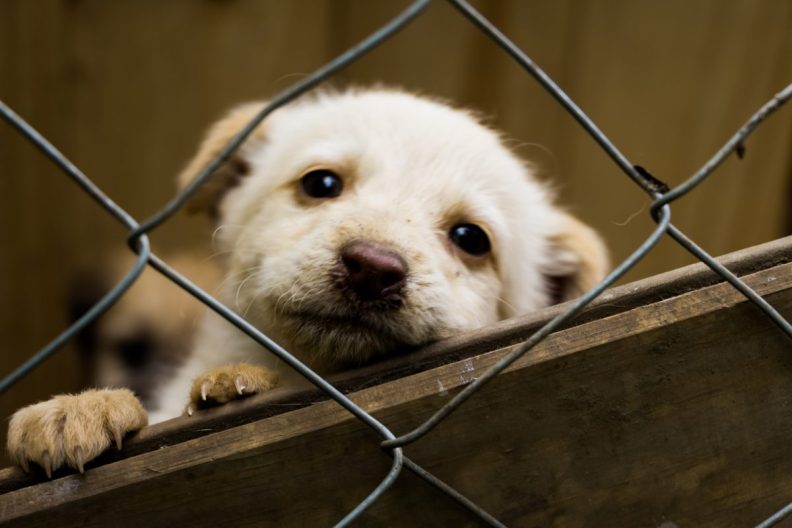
(393, 445)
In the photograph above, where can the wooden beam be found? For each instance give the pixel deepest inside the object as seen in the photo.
(667, 402)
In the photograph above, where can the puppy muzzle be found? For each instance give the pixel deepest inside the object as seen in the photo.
(371, 272)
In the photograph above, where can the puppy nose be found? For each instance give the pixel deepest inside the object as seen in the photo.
(372, 272)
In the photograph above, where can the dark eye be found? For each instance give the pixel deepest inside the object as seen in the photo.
(322, 183)
(470, 238)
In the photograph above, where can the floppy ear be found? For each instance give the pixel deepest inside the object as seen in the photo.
(578, 259)
(209, 195)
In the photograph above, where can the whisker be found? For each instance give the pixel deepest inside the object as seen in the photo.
(242, 284)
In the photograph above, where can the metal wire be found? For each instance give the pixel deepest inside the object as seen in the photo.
(139, 242)
(291, 93)
(660, 203)
(777, 517)
(96, 193)
(540, 334)
(731, 145)
(660, 211)
(454, 494)
(765, 111)
(489, 29)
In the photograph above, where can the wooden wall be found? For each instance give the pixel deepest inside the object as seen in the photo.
(125, 89)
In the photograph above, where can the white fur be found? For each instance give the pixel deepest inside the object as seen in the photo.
(412, 168)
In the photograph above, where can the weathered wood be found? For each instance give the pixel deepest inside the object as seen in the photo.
(676, 411)
(503, 334)
(126, 88)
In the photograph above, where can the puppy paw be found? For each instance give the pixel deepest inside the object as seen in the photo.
(231, 382)
(70, 430)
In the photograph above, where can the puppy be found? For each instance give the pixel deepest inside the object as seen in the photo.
(148, 334)
(354, 225)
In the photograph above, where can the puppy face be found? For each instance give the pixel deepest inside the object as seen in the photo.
(359, 223)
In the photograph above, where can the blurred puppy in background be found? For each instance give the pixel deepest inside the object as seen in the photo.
(147, 335)
(353, 225)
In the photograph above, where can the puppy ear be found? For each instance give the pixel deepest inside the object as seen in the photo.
(578, 259)
(209, 195)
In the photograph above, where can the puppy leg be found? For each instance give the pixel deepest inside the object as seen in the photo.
(72, 429)
(228, 383)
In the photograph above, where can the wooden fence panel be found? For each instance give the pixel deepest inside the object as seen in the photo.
(676, 410)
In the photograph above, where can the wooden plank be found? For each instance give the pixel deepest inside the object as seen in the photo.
(676, 411)
(501, 335)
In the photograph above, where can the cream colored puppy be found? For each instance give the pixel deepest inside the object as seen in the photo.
(355, 225)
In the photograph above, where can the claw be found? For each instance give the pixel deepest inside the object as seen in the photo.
(205, 389)
(117, 436)
(189, 410)
(240, 387)
(46, 463)
(23, 463)
(78, 458)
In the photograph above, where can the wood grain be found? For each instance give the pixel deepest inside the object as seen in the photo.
(674, 411)
(126, 88)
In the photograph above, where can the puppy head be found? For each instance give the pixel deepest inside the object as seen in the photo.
(362, 222)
